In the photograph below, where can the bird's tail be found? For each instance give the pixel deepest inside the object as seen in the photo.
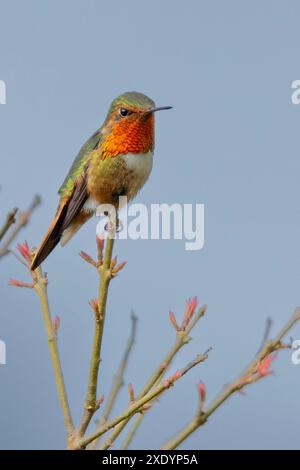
(52, 237)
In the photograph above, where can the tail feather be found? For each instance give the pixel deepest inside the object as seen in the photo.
(52, 237)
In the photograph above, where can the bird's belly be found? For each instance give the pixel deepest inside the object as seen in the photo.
(123, 175)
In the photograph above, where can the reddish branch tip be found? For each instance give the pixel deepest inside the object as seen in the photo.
(100, 241)
(100, 400)
(263, 367)
(119, 267)
(16, 283)
(87, 258)
(190, 308)
(202, 392)
(56, 324)
(173, 320)
(24, 251)
(170, 380)
(94, 304)
(131, 392)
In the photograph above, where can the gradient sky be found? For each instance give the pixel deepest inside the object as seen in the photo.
(231, 142)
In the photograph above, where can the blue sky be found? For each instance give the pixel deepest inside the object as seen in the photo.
(231, 142)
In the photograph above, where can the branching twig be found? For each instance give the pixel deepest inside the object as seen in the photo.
(10, 220)
(119, 377)
(256, 370)
(39, 284)
(22, 220)
(40, 288)
(182, 337)
(105, 272)
(137, 405)
(107, 269)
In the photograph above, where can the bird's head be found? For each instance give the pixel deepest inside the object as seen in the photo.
(129, 124)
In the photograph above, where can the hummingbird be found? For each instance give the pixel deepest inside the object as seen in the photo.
(115, 161)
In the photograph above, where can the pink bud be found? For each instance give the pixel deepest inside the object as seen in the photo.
(190, 308)
(113, 262)
(131, 392)
(56, 324)
(94, 304)
(87, 258)
(24, 251)
(120, 266)
(170, 380)
(100, 242)
(100, 400)
(16, 283)
(173, 320)
(263, 367)
(202, 393)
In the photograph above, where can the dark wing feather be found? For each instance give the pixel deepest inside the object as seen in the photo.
(76, 202)
(66, 213)
(73, 194)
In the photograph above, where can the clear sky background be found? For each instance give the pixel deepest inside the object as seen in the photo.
(231, 142)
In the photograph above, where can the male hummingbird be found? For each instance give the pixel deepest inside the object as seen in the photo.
(116, 161)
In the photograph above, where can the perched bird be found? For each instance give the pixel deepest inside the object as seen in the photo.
(116, 161)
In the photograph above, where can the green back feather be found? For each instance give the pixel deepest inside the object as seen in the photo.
(78, 165)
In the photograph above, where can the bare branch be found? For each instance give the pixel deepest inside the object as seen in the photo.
(182, 338)
(22, 220)
(119, 377)
(256, 370)
(10, 220)
(138, 404)
(39, 284)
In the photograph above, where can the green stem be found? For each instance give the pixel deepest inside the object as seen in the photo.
(41, 290)
(91, 404)
(201, 417)
(182, 338)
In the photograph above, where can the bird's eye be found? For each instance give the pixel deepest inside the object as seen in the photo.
(123, 112)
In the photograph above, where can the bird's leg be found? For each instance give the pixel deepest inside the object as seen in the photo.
(116, 224)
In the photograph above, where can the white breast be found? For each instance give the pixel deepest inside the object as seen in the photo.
(139, 163)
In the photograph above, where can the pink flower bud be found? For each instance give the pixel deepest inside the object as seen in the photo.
(56, 324)
(202, 393)
(94, 304)
(24, 251)
(87, 258)
(190, 308)
(120, 266)
(16, 283)
(131, 392)
(173, 320)
(263, 367)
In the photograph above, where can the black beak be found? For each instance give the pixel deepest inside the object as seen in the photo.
(160, 108)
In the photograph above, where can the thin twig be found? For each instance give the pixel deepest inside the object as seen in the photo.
(246, 378)
(106, 274)
(137, 405)
(182, 338)
(118, 378)
(22, 220)
(39, 284)
(10, 220)
(266, 333)
(40, 287)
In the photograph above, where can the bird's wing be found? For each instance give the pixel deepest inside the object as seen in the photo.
(79, 164)
(73, 195)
